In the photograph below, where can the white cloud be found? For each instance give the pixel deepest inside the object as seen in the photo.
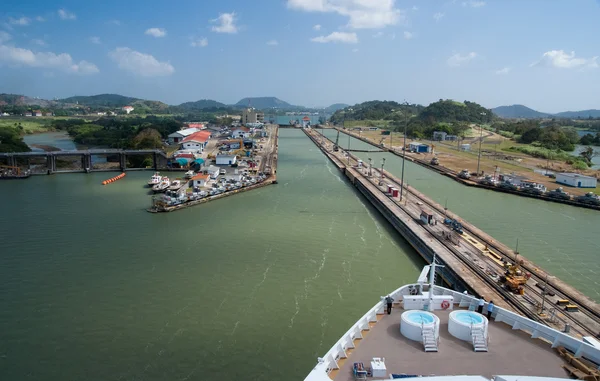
(361, 14)
(346, 38)
(355, 50)
(115, 22)
(199, 42)
(317, 27)
(438, 16)
(64, 15)
(502, 71)
(23, 21)
(39, 42)
(378, 34)
(458, 59)
(47, 60)
(140, 64)
(408, 35)
(473, 3)
(4, 36)
(272, 43)
(226, 23)
(95, 40)
(40, 19)
(562, 60)
(156, 32)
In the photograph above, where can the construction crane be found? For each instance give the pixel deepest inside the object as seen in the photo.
(337, 139)
(514, 279)
(17, 169)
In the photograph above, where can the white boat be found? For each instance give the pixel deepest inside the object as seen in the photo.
(162, 186)
(469, 347)
(176, 185)
(154, 180)
(189, 174)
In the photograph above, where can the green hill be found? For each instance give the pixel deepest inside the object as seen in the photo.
(376, 110)
(451, 111)
(518, 111)
(583, 114)
(202, 104)
(101, 100)
(336, 106)
(263, 103)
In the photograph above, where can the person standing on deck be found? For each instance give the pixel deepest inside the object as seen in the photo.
(481, 303)
(389, 300)
(490, 309)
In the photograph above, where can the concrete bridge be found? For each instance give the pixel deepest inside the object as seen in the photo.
(159, 158)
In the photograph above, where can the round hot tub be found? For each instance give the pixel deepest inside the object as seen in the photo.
(413, 321)
(460, 323)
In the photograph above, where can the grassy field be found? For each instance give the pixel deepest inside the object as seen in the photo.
(366, 123)
(30, 125)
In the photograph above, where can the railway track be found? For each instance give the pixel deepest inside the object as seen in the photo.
(512, 299)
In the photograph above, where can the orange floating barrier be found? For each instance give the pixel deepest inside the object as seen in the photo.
(113, 179)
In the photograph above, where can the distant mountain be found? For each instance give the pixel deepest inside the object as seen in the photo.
(263, 103)
(101, 100)
(336, 106)
(584, 114)
(518, 111)
(376, 110)
(447, 110)
(202, 104)
(22, 100)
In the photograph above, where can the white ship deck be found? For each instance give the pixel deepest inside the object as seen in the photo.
(509, 352)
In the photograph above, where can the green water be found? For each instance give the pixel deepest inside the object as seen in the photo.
(559, 238)
(251, 287)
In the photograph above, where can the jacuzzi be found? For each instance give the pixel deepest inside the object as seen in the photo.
(460, 323)
(412, 322)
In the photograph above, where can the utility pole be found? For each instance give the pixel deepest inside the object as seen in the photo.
(480, 140)
(348, 150)
(544, 292)
(403, 158)
(370, 166)
(382, 164)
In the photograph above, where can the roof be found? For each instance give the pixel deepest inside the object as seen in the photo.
(200, 137)
(128, 107)
(418, 144)
(245, 129)
(306, 118)
(574, 175)
(200, 177)
(225, 156)
(185, 132)
(195, 125)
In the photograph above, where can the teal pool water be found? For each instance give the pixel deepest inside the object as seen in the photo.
(468, 317)
(419, 317)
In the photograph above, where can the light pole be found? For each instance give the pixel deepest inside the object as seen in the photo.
(403, 157)
(370, 166)
(382, 164)
(348, 150)
(480, 140)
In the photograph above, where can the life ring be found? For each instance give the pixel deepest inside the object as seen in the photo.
(445, 304)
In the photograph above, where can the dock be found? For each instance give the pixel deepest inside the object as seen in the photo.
(454, 176)
(473, 260)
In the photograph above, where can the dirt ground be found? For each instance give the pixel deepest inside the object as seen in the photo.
(492, 158)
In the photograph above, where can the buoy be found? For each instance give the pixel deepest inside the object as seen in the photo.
(113, 179)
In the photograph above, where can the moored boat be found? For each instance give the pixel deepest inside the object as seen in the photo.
(189, 174)
(162, 186)
(155, 179)
(176, 184)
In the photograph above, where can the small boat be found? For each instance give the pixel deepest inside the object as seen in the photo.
(154, 180)
(434, 161)
(464, 174)
(189, 174)
(162, 186)
(176, 185)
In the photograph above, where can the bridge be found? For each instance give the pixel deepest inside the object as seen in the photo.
(159, 158)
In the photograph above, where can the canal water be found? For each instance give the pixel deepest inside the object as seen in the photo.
(60, 140)
(250, 287)
(559, 238)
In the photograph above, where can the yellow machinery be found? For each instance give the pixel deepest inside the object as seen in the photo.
(514, 279)
(17, 169)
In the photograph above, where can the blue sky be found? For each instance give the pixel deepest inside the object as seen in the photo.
(541, 53)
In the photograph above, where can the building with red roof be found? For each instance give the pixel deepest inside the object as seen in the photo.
(305, 122)
(196, 141)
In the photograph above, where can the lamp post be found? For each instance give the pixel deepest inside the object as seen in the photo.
(370, 166)
(480, 140)
(403, 157)
(348, 150)
(382, 164)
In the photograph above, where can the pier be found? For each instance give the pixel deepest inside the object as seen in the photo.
(159, 159)
(454, 176)
(473, 260)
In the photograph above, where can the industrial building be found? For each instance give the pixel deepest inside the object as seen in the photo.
(251, 115)
(576, 180)
(419, 147)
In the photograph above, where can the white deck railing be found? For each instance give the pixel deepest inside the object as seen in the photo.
(554, 337)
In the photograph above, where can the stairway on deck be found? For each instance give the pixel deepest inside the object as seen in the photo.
(429, 340)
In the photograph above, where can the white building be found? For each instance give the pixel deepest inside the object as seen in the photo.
(128, 109)
(213, 172)
(465, 147)
(439, 135)
(200, 180)
(196, 142)
(240, 132)
(178, 136)
(250, 115)
(226, 159)
(576, 180)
